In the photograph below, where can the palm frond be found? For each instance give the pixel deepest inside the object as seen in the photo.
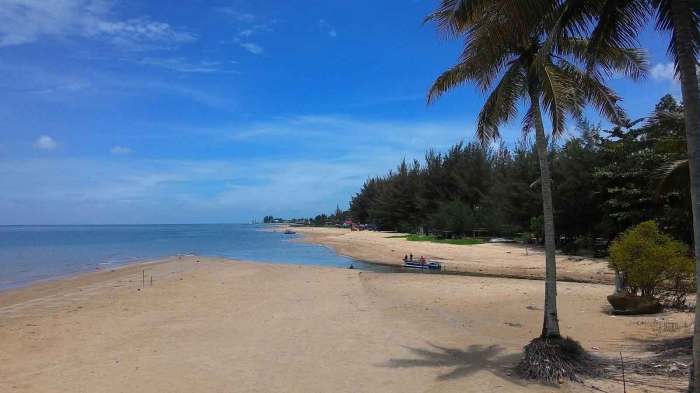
(673, 175)
(501, 105)
(455, 16)
(668, 120)
(528, 121)
(591, 89)
(455, 76)
(664, 21)
(557, 95)
(632, 62)
(619, 23)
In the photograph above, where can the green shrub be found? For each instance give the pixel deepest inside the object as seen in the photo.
(465, 241)
(652, 263)
(524, 237)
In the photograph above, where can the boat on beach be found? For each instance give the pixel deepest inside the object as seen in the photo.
(431, 265)
(289, 232)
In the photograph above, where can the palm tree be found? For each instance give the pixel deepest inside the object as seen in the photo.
(619, 22)
(504, 39)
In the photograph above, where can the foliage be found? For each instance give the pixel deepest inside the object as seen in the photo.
(627, 174)
(434, 239)
(648, 259)
(604, 181)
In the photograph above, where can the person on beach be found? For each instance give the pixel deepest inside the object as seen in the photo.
(405, 258)
(410, 257)
(422, 260)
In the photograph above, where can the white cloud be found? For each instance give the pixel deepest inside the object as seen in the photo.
(139, 33)
(252, 47)
(121, 150)
(356, 137)
(26, 21)
(45, 142)
(664, 72)
(345, 151)
(182, 65)
(326, 28)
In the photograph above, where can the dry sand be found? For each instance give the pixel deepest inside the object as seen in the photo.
(499, 260)
(215, 325)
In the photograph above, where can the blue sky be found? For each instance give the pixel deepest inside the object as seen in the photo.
(125, 111)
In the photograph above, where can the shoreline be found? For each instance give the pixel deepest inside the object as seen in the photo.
(49, 286)
(482, 260)
(76, 274)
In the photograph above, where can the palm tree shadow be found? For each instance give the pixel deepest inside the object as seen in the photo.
(463, 362)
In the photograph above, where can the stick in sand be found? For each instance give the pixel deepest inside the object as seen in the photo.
(624, 383)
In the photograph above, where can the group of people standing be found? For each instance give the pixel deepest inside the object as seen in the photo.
(409, 259)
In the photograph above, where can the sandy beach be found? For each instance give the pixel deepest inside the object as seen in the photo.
(490, 259)
(217, 325)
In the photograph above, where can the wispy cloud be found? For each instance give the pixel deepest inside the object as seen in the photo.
(45, 142)
(248, 25)
(408, 138)
(140, 33)
(32, 83)
(326, 28)
(345, 150)
(26, 21)
(236, 14)
(252, 47)
(182, 65)
(121, 150)
(148, 191)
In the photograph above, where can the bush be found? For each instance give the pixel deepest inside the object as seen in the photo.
(652, 263)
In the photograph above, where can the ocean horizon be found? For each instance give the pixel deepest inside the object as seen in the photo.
(31, 253)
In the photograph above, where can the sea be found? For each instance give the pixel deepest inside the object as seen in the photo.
(34, 253)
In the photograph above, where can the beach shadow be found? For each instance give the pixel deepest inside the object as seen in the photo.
(463, 362)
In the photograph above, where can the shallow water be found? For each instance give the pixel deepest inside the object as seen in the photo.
(32, 253)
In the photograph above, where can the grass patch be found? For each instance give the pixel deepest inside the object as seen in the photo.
(467, 241)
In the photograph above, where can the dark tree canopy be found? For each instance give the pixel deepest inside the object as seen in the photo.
(604, 181)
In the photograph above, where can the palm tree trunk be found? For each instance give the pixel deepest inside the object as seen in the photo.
(681, 11)
(550, 326)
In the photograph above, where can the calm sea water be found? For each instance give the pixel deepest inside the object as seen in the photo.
(32, 253)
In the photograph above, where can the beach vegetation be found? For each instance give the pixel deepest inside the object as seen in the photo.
(465, 241)
(652, 263)
(603, 182)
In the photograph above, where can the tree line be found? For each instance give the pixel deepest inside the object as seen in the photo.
(603, 182)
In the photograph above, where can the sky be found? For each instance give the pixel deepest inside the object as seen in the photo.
(135, 112)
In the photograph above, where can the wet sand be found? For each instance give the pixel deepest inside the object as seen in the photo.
(497, 259)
